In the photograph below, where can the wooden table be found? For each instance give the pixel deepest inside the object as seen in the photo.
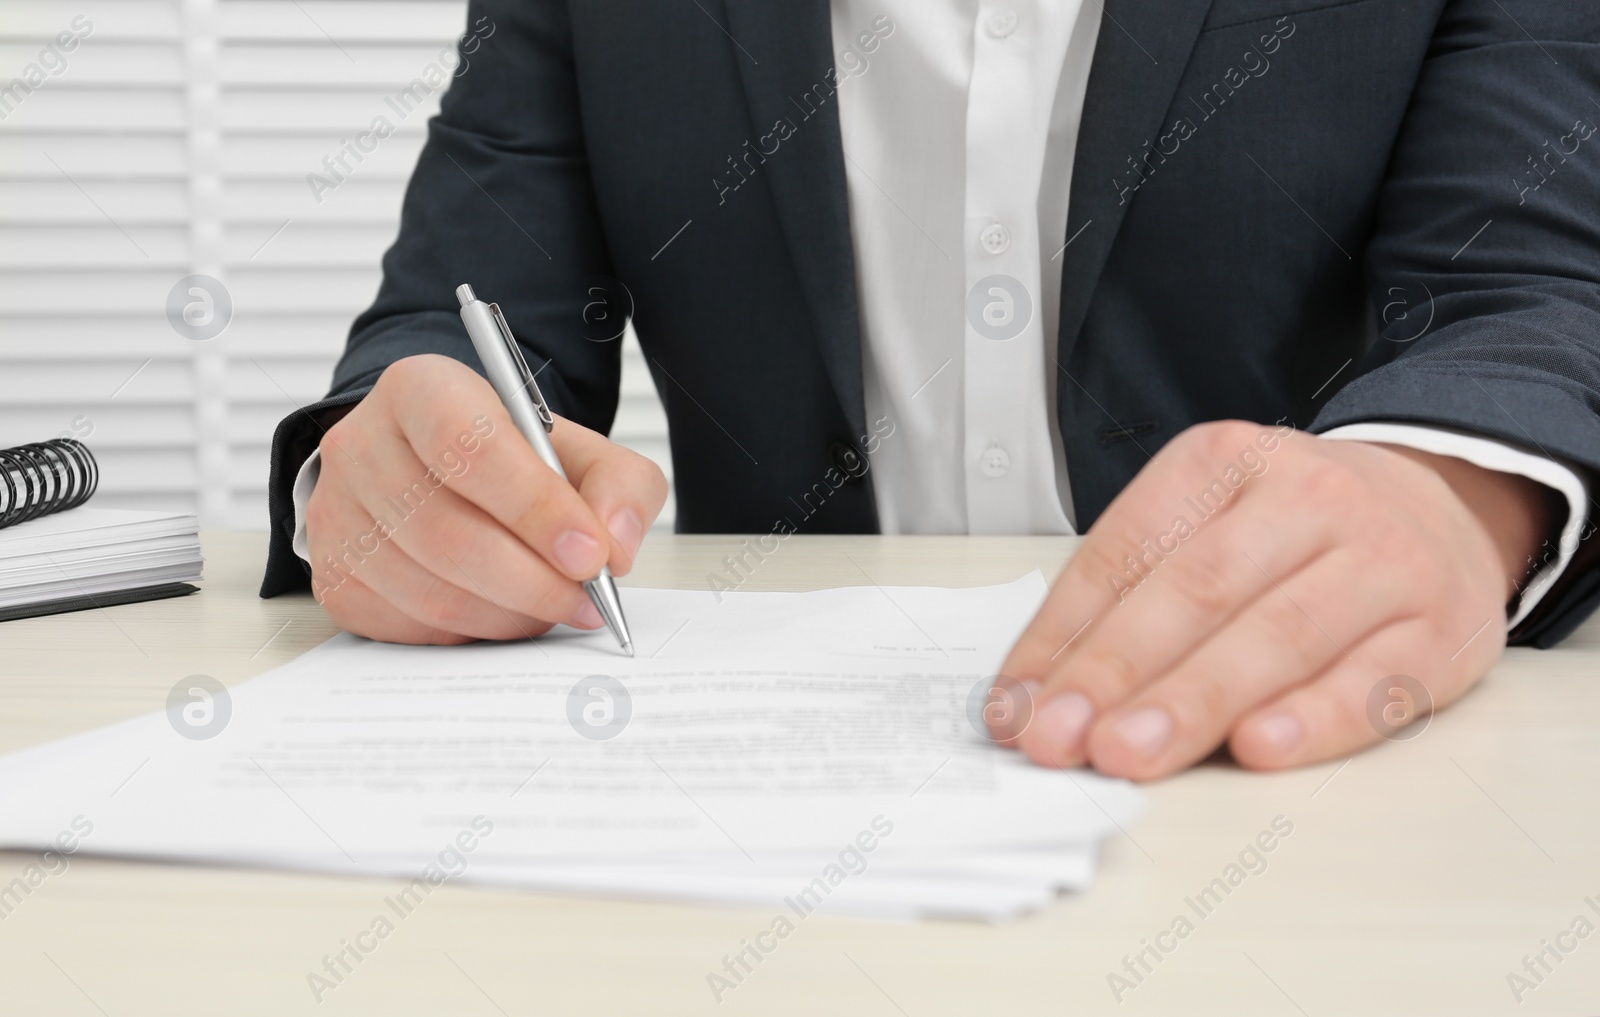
(1417, 876)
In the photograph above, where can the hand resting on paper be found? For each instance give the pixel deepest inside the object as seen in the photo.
(434, 521)
(1263, 615)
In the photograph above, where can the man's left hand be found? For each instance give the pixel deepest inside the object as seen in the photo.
(1253, 585)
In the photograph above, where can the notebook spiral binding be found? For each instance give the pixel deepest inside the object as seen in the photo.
(45, 477)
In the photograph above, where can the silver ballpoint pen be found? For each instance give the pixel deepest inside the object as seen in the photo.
(513, 382)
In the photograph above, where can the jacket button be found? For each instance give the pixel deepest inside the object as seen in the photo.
(849, 460)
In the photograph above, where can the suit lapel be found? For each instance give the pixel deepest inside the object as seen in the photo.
(1142, 50)
(785, 56)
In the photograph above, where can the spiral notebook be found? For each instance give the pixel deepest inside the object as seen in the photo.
(58, 554)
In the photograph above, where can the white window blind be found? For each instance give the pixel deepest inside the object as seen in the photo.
(174, 140)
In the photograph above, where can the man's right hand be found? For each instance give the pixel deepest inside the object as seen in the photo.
(434, 521)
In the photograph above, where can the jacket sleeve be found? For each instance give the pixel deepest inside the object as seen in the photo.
(500, 198)
(1485, 257)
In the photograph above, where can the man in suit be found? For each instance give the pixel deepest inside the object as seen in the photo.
(1293, 306)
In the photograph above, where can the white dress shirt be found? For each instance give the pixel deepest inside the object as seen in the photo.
(959, 122)
(959, 135)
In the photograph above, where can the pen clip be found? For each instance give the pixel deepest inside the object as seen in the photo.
(515, 349)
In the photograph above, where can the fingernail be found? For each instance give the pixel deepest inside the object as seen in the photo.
(587, 617)
(577, 554)
(627, 531)
(1282, 731)
(1063, 720)
(1145, 731)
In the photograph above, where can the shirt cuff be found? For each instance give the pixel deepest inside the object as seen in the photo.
(304, 482)
(1504, 458)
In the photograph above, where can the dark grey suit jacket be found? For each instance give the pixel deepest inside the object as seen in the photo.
(1328, 211)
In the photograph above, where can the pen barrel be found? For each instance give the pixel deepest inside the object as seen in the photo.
(507, 380)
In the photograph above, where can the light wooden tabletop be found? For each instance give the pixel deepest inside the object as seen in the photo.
(1416, 879)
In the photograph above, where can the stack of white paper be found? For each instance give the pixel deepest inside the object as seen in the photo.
(90, 551)
(796, 751)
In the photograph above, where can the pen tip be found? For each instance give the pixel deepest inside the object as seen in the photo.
(628, 648)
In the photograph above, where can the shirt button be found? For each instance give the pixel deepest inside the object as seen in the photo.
(994, 462)
(847, 459)
(1001, 22)
(995, 239)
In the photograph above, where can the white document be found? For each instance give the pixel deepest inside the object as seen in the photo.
(757, 740)
(992, 886)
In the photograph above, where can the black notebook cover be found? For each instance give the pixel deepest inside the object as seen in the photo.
(84, 603)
